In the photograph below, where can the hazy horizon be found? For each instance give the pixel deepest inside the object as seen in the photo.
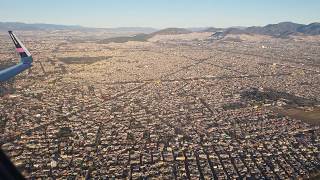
(156, 14)
(156, 28)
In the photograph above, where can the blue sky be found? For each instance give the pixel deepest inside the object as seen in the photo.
(160, 13)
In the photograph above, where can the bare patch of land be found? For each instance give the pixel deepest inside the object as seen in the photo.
(309, 116)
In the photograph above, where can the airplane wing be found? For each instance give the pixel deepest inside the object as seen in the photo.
(25, 62)
(21, 49)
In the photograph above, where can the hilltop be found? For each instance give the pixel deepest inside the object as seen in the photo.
(145, 37)
(172, 31)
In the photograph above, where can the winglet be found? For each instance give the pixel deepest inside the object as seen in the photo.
(21, 49)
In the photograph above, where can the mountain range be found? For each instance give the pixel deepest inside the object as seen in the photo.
(6, 26)
(277, 30)
(286, 28)
(24, 26)
(282, 29)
